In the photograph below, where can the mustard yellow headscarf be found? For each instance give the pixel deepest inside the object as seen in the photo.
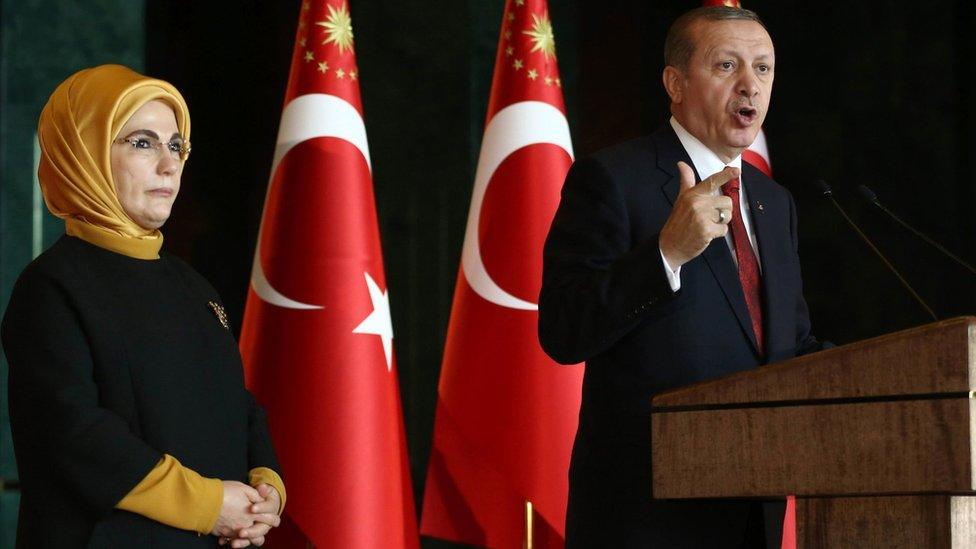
(76, 129)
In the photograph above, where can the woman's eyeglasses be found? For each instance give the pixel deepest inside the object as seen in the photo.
(150, 147)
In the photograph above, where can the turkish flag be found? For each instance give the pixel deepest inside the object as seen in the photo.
(506, 413)
(317, 335)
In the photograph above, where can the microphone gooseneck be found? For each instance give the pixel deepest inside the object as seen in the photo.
(871, 198)
(828, 193)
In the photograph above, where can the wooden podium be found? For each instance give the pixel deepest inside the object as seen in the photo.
(876, 439)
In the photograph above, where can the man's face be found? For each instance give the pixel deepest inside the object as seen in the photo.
(721, 97)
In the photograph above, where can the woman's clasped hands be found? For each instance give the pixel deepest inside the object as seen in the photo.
(247, 514)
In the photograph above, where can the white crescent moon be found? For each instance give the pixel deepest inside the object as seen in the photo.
(512, 128)
(307, 117)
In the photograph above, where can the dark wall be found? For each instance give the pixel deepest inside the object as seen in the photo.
(882, 98)
(861, 96)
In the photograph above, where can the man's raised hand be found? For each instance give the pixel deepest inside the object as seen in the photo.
(698, 216)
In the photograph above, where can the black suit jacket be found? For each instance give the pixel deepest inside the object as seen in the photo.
(606, 300)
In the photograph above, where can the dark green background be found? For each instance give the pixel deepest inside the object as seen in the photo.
(862, 95)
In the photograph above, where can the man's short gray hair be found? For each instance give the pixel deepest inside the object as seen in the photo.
(679, 46)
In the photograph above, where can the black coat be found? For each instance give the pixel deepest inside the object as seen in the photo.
(115, 361)
(606, 300)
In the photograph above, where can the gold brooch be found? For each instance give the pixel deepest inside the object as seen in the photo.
(221, 314)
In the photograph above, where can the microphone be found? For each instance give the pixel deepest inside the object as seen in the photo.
(829, 195)
(869, 196)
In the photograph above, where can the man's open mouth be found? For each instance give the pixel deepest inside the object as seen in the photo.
(746, 115)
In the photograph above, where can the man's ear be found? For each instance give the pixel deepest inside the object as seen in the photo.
(672, 79)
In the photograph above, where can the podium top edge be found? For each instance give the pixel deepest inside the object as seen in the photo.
(936, 358)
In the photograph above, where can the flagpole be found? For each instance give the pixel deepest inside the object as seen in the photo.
(528, 525)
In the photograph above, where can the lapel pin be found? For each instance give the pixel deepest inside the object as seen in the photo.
(759, 205)
(218, 310)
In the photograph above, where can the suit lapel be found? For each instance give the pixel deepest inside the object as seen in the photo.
(717, 255)
(669, 153)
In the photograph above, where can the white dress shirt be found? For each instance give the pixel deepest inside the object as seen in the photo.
(707, 163)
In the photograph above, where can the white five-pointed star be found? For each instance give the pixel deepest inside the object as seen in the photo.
(378, 322)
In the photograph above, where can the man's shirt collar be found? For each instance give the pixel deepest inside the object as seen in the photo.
(705, 161)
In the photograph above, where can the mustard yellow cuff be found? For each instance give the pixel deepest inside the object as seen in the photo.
(268, 476)
(176, 496)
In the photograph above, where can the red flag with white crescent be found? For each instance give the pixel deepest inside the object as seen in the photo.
(506, 413)
(317, 336)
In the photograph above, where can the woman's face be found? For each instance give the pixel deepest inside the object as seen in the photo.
(146, 164)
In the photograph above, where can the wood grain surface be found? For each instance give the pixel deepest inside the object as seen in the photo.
(875, 438)
(922, 522)
(936, 358)
(914, 446)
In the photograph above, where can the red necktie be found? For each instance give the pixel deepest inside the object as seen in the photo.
(749, 275)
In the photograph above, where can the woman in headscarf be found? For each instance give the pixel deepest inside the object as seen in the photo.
(131, 423)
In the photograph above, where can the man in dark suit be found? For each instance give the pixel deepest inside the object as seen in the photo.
(658, 282)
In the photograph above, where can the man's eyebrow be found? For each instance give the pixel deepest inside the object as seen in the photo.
(734, 53)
